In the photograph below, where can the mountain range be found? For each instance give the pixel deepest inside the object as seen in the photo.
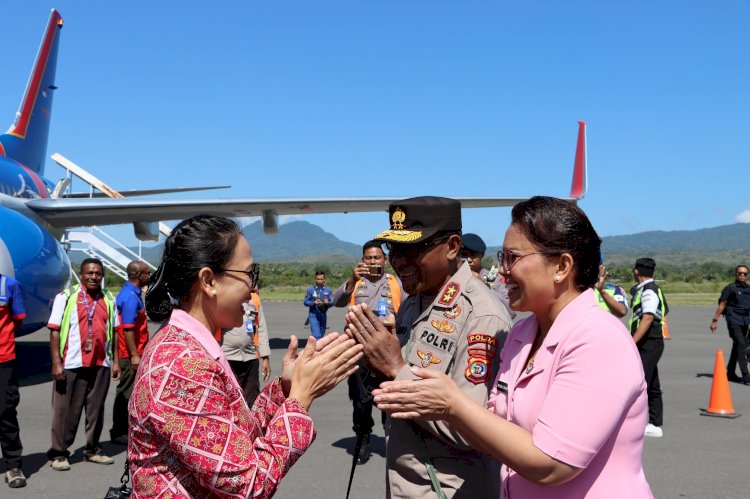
(306, 242)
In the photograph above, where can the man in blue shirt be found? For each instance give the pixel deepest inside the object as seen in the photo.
(318, 298)
(131, 341)
(12, 314)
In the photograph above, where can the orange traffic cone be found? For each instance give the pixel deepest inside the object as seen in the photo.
(720, 404)
(665, 328)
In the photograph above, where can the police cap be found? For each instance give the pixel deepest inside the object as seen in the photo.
(473, 243)
(416, 219)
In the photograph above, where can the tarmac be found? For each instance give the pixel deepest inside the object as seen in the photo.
(698, 457)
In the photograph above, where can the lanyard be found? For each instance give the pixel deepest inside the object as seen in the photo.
(90, 310)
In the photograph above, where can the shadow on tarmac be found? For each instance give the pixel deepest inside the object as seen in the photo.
(35, 365)
(32, 463)
(377, 444)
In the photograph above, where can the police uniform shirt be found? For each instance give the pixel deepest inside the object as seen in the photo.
(366, 291)
(737, 296)
(460, 334)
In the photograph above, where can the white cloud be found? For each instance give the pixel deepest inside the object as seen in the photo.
(743, 217)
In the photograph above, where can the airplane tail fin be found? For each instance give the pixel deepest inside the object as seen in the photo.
(26, 139)
(580, 175)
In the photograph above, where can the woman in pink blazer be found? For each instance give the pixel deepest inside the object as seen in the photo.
(568, 408)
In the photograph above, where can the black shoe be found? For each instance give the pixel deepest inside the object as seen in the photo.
(15, 478)
(364, 452)
(734, 378)
(746, 379)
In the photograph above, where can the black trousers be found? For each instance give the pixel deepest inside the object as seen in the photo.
(122, 396)
(651, 350)
(738, 334)
(361, 405)
(248, 376)
(10, 434)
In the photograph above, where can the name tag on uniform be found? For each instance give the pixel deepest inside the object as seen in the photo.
(249, 327)
(502, 386)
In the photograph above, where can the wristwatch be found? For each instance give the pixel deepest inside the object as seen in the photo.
(714, 320)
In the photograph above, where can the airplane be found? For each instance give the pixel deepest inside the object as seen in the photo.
(34, 212)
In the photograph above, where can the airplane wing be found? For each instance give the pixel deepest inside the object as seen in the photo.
(66, 213)
(143, 192)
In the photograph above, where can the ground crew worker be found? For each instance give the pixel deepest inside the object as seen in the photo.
(82, 325)
(318, 298)
(132, 336)
(368, 284)
(12, 313)
(609, 296)
(450, 322)
(649, 309)
(247, 346)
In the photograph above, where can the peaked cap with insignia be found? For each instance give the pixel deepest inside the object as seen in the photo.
(415, 219)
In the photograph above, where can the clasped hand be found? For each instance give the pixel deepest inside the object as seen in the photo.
(381, 346)
(322, 365)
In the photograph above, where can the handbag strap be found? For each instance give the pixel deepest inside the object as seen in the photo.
(125, 478)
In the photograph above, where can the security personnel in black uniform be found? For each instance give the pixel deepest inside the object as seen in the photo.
(649, 308)
(734, 304)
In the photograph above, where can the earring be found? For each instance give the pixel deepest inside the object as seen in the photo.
(213, 292)
(557, 278)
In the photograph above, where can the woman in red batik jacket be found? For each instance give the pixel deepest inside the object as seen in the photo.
(191, 432)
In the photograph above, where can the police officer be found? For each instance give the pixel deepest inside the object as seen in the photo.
(318, 299)
(473, 249)
(734, 304)
(368, 284)
(450, 322)
(649, 310)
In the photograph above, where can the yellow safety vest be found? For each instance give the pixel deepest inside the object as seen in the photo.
(72, 306)
(392, 285)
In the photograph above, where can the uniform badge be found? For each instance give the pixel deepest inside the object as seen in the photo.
(477, 370)
(443, 326)
(427, 358)
(452, 313)
(450, 294)
(397, 219)
(480, 356)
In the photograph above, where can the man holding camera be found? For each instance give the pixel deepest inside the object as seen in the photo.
(368, 284)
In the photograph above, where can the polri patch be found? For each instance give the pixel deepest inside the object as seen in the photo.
(450, 293)
(437, 340)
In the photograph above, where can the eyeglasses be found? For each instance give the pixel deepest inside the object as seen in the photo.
(253, 273)
(413, 251)
(507, 257)
(742, 273)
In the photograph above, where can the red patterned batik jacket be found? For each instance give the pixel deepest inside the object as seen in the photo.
(191, 432)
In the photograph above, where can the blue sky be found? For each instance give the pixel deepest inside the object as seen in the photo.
(387, 98)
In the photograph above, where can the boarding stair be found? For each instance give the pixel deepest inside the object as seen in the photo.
(96, 243)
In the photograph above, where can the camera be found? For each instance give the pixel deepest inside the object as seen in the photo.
(375, 270)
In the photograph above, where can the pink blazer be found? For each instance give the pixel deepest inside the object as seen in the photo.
(584, 402)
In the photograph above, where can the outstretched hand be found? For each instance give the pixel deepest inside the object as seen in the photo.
(434, 396)
(288, 362)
